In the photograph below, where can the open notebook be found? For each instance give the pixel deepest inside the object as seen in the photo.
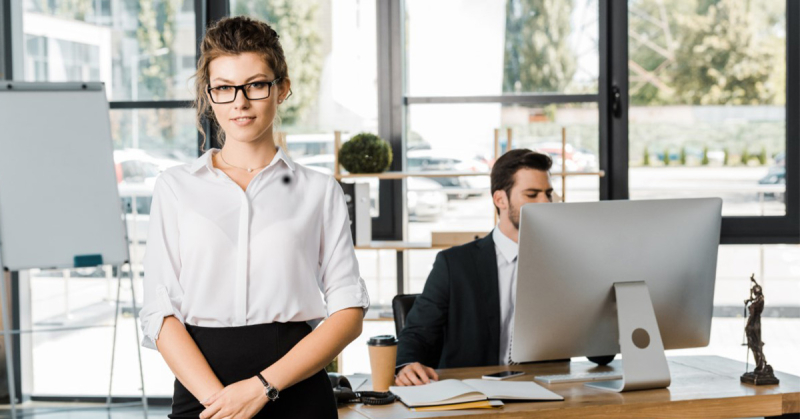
(455, 391)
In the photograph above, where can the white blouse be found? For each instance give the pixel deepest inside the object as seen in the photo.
(218, 256)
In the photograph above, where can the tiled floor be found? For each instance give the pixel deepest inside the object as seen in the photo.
(116, 413)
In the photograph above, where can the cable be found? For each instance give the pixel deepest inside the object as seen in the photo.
(375, 398)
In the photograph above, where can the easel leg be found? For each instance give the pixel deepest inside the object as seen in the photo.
(114, 339)
(138, 344)
(12, 385)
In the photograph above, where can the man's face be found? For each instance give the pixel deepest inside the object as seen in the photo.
(530, 186)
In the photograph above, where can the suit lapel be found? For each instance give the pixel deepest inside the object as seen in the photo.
(486, 258)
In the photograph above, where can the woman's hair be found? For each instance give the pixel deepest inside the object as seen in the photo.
(233, 36)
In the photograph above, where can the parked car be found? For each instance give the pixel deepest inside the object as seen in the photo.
(776, 175)
(138, 166)
(137, 171)
(457, 187)
(426, 198)
(577, 159)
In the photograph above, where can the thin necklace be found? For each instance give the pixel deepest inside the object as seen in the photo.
(249, 170)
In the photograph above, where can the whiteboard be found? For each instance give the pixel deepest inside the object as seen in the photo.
(58, 187)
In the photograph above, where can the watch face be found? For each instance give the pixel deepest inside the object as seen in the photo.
(272, 393)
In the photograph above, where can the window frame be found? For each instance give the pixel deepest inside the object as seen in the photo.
(614, 131)
(11, 55)
(393, 106)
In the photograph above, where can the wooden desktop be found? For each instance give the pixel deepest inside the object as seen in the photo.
(702, 387)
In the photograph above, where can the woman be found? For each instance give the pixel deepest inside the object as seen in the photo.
(243, 246)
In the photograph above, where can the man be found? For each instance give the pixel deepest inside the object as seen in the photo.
(464, 316)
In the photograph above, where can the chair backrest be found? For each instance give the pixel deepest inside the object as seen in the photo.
(401, 305)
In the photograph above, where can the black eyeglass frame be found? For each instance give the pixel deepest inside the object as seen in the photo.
(244, 91)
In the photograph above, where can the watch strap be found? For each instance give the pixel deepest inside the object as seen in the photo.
(270, 391)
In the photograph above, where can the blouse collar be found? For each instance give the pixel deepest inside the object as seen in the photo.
(205, 160)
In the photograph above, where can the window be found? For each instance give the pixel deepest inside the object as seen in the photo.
(515, 68)
(707, 113)
(494, 47)
(331, 53)
(142, 51)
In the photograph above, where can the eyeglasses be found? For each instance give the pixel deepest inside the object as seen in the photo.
(256, 90)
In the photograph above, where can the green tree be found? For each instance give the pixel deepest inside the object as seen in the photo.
(646, 161)
(706, 52)
(683, 156)
(296, 21)
(722, 63)
(538, 56)
(762, 156)
(745, 156)
(75, 9)
(155, 60)
(666, 157)
(704, 162)
(154, 65)
(725, 158)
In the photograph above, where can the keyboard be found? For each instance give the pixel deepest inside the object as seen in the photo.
(579, 377)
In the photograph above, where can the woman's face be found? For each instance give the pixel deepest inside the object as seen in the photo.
(234, 70)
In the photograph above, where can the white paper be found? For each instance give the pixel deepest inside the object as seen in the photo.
(437, 393)
(512, 390)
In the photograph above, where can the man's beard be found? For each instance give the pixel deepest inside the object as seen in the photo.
(513, 214)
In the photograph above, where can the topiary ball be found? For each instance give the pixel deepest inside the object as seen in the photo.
(365, 153)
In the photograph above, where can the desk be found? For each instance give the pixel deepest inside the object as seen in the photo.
(702, 387)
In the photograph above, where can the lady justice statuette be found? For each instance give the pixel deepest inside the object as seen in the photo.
(763, 373)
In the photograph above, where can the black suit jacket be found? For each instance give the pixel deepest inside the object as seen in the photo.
(455, 322)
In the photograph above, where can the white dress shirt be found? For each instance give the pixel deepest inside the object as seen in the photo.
(219, 256)
(506, 250)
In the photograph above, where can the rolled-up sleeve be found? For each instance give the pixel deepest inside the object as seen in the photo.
(340, 280)
(162, 265)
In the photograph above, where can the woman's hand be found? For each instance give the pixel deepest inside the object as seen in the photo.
(240, 400)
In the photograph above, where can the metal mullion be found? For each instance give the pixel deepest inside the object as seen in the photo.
(200, 22)
(151, 104)
(613, 28)
(214, 11)
(792, 194)
(509, 99)
(389, 225)
(5, 37)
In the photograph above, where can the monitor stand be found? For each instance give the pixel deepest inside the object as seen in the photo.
(644, 365)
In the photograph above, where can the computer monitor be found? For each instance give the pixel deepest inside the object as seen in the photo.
(588, 270)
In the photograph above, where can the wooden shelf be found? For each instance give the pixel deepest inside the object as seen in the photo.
(403, 175)
(400, 245)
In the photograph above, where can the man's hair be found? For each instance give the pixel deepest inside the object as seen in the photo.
(508, 164)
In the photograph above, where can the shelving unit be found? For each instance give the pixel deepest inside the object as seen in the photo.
(403, 175)
(403, 246)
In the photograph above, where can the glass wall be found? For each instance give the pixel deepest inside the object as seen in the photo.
(142, 51)
(503, 55)
(706, 118)
(707, 110)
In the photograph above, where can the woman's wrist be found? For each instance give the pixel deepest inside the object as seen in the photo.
(272, 379)
(261, 389)
(212, 392)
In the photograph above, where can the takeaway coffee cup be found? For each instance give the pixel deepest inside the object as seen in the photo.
(382, 358)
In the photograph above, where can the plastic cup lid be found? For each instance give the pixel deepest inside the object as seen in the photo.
(383, 340)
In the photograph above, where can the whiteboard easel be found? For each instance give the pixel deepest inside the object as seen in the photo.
(59, 203)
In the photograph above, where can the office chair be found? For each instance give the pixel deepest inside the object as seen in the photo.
(401, 305)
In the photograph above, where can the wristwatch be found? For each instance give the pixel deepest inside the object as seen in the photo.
(269, 390)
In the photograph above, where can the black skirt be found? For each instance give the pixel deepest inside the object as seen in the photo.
(238, 353)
